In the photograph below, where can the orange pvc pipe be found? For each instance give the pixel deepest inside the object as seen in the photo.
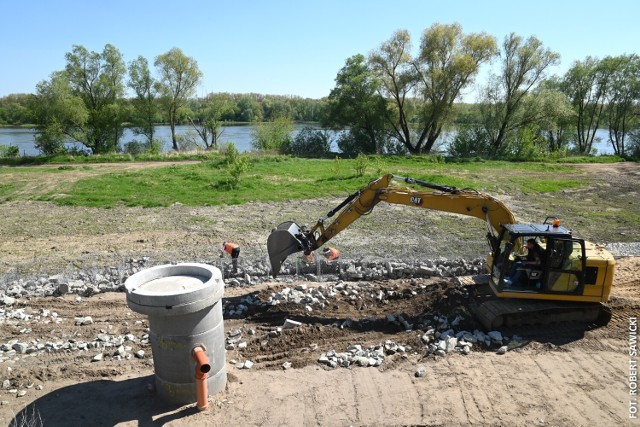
(202, 368)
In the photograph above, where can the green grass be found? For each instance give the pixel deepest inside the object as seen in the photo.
(7, 191)
(592, 159)
(107, 158)
(270, 178)
(550, 185)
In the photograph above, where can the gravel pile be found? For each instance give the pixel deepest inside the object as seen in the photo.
(111, 279)
(116, 347)
(624, 249)
(357, 355)
(257, 270)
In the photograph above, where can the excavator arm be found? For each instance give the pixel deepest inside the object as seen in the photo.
(290, 238)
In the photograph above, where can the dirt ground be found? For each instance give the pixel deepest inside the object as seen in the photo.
(564, 376)
(574, 375)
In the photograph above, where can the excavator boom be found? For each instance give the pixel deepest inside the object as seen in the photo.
(289, 237)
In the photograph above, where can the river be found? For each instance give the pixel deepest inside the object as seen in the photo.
(24, 139)
(241, 136)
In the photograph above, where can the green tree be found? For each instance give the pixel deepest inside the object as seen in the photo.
(276, 106)
(504, 107)
(423, 89)
(585, 84)
(248, 108)
(14, 109)
(58, 113)
(558, 122)
(356, 103)
(179, 78)
(623, 94)
(145, 102)
(208, 119)
(98, 79)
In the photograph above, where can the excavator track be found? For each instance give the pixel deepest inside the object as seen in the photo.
(498, 313)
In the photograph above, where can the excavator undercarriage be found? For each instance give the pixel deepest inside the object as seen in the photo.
(496, 313)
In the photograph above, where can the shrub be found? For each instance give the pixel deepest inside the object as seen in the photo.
(526, 144)
(635, 143)
(361, 164)
(336, 166)
(380, 166)
(50, 139)
(134, 147)
(310, 141)
(273, 136)
(155, 146)
(237, 164)
(77, 151)
(190, 141)
(231, 153)
(355, 141)
(470, 141)
(10, 151)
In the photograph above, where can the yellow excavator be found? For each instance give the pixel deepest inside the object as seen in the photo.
(570, 282)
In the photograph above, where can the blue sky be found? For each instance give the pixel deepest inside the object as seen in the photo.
(287, 47)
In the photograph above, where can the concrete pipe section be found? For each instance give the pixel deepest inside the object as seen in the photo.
(184, 306)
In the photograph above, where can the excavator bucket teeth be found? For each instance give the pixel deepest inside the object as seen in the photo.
(282, 242)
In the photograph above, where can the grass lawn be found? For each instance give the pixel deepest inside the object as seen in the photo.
(269, 178)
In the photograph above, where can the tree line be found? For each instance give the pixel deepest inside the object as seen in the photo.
(400, 100)
(397, 99)
(86, 102)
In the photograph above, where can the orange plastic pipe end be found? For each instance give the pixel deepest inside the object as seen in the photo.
(202, 368)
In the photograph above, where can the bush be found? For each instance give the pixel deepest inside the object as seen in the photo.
(354, 142)
(9, 151)
(361, 164)
(237, 164)
(50, 139)
(310, 141)
(380, 165)
(336, 166)
(273, 136)
(77, 151)
(134, 147)
(470, 141)
(231, 153)
(526, 144)
(190, 141)
(155, 146)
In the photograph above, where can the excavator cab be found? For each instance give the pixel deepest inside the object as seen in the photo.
(562, 264)
(571, 282)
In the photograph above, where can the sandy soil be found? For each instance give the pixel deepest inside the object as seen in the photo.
(571, 375)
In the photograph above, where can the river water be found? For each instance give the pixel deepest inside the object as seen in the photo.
(241, 136)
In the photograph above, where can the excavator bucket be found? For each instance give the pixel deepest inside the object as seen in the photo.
(285, 240)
